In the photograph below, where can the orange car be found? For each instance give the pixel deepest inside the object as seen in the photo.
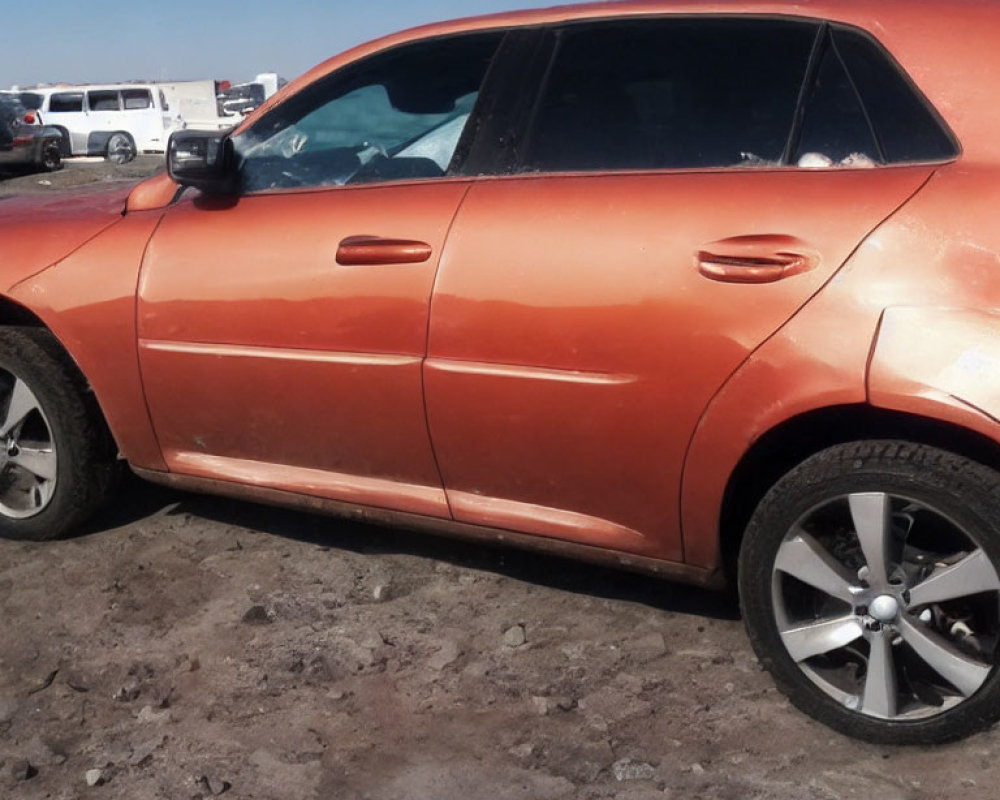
(708, 291)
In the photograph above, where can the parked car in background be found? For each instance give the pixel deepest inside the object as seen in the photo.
(240, 99)
(116, 121)
(708, 291)
(24, 141)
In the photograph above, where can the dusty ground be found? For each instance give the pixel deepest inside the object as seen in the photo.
(77, 172)
(185, 647)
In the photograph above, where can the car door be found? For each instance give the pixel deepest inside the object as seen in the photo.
(282, 330)
(657, 229)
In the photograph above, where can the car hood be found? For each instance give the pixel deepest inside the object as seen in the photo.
(36, 231)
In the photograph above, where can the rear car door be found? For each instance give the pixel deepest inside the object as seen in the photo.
(679, 188)
(282, 331)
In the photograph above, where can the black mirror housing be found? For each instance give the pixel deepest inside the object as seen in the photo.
(203, 159)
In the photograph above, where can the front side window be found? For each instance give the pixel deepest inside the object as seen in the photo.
(397, 115)
(66, 102)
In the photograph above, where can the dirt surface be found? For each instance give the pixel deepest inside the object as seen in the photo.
(78, 172)
(189, 647)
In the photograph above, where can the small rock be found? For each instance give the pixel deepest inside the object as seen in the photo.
(541, 705)
(697, 769)
(8, 708)
(566, 703)
(628, 770)
(381, 592)
(214, 786)
(257, 615)
(522, 751)
(95, 777)
(22, 770)
(129, 692)
(648, 647)
(143, 752)
(147, 715)
(448, 654)
(514, 636)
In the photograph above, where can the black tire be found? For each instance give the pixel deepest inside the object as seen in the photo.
(65, 151)
(935, 515)
(51, 159)
(120, 148)
(63, 418)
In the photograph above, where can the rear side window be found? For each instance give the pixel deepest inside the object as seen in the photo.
(103, 101)
(690, 92)
(136, 98)
(906, 126)
(835, 129)
(670, 93)
(66, 101)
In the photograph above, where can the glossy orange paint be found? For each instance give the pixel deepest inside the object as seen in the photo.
(37, 231)
(582, 358)
(907, 325)
(594, 285)
(88, 301)
(265, 359)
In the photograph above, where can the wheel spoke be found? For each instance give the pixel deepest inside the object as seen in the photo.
(971, 575)
(879, 698)
(22, 402)
(804, 558)
(872, 515)
(821, 637)
(964, 673)
(40, 463)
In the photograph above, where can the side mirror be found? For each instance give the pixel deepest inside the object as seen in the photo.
(203, 159)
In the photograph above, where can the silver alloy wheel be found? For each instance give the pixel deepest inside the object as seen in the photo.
(120, 149)
(887, 605)
(28, 459)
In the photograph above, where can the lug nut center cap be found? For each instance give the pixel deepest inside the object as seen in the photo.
(884, 608)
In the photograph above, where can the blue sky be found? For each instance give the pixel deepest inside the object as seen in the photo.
(104, 40)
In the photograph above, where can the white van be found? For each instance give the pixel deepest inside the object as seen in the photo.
(112, 120)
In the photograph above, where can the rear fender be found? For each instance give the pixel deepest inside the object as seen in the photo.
(941, 363)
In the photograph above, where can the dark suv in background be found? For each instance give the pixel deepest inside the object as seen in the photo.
(24, 142)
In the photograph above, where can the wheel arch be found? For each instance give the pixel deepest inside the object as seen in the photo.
(791, 442)
(13, 314)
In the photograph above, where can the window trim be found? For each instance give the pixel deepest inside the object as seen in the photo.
(825, 30)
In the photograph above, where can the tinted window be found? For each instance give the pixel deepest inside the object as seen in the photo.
(835, 129)
(670, 93)
(397, 115)
(136, 98)
(907, 128)
(66, 101)
(102, 101)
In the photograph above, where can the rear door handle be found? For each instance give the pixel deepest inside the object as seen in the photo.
(374, 250)
(764, 258)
